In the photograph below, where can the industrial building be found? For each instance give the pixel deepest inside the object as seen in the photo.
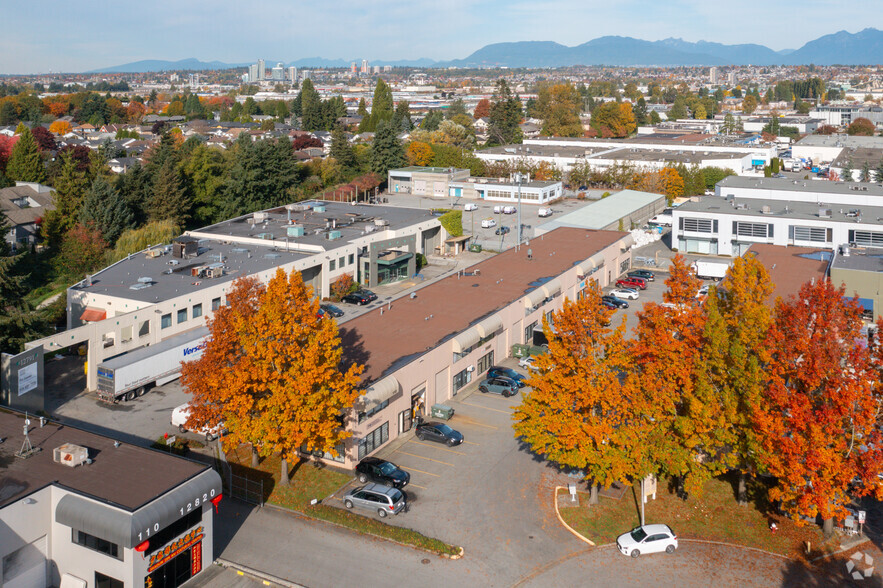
(808, 191)
(81, 510)
(624, 210)
(457, 183)
(827, 148)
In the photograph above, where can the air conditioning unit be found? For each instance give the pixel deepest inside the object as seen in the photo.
(71, 455)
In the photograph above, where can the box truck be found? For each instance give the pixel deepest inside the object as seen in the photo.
(133, 374)
(709, 270)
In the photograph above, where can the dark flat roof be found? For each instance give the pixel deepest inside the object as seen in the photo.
(126, 476)
(403, 333)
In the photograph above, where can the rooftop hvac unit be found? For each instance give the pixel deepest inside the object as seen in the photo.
(71, 455)
(381, 222)
(824, 213)
(296, 231)
(765, 210)
(154, 253)
(260, 216)
(332, 235)
(318, 208)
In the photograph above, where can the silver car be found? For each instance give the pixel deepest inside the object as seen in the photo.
(377, 497)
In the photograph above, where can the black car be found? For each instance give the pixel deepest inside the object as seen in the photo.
(501, 231)
(608, 304)
(382, 472)
(646, 274)
(497, 371)
(614, 302)
(332, 310)
(361, 297)
(438, 432)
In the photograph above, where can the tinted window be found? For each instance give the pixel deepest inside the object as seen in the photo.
(395, 495)
(388, 469)
(444, 429)
(639, 534)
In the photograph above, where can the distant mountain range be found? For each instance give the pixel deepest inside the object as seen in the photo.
(843, 48)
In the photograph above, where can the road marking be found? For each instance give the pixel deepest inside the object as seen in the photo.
(434, 447)
(471, 443)
(471, 422)
(416, 486)
(422, 472)
(487, 408)
(427, 458)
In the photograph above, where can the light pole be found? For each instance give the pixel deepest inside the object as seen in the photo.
(519, 179)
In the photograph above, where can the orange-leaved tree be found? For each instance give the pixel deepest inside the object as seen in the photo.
(817, 423)
(578, 414)
(272, 372)
(675, 397)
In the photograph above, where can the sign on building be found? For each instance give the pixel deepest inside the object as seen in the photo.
(21, 380)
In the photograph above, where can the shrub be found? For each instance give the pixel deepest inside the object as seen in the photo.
(452, 222)
(343, 286)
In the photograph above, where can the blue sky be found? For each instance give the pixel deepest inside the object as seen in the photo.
(59, 35)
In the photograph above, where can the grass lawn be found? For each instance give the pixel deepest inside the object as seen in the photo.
(308, 482)
(714, 516)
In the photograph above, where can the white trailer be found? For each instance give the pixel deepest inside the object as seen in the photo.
(709, 270)
(134, 373)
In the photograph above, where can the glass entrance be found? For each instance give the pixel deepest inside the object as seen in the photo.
(485, 363)
(177, 571)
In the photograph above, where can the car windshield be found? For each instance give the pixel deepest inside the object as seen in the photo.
(395, 495)
(639, 534)
(444, 429)
(388, 469)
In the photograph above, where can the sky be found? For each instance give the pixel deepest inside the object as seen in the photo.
(62, 36)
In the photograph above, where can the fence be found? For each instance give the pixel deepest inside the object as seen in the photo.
(250, 491)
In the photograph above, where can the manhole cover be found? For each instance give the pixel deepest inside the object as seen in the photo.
(424, 561)
(530, 536)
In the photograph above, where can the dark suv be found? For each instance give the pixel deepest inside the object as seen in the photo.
(361, 297)
(613, 302)
(497, 371)
(646, 274)
(382, 472)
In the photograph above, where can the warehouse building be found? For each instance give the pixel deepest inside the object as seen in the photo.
(80, 510)
(624, 210)
(452, 184)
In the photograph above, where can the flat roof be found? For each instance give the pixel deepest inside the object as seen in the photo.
(126, 476)
(409, 327)
(602, 213)
(805, 186)
(861, 259)
(840, 141)
(858, 156)
(791, 209)
(480, 181)
(426, 170)
(790, 267)
(541, 150)
(688, 155)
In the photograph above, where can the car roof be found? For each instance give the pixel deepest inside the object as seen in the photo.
(379, 488)
(371, 460)
(657, 528)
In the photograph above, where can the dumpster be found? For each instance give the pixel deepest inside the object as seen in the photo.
(475, 248)
(442, 411)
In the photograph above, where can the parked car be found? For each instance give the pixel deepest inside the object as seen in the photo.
(382, 472)
(501, 385)
(179, 419)
(703, 291)
(646, 274)
(361, 297)
(509, 210)
(501, 231)
(647, 539)
(470, 206)
(528, 363)
(496, 371)
(614, 302)
(631, 282)
(609, 305)
(625, 293)
(488, 223)
(543, 212)
(438, 432)
(383, 499)
(332, 310)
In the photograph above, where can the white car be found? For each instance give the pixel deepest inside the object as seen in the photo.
(179, 419)
(528, 363)
(703, 292)
(625, 293)
(488, 223)
(544, 212)
(470, 206)
(647, 539)
(509, 210)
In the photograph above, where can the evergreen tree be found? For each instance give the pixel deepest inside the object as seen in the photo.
(5, 182)
(135, 187)
(878, 172)
(311, 108)
(866, 172)
(25, 162)
(505, 116)
(381, 108)
(104, 210)
(264, 175)
(168, 200)
(456, 107)
(342, 151)
(431, 121)
(18, 321)
(402, 116)
(363, 108)
(282, 112)
(71, 185)
(387, 152)
(846, 173)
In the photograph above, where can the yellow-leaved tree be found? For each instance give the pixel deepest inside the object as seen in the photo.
(272, 371)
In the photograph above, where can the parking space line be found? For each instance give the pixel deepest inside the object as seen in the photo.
(487, 408)
(471, 443)
(422, 472)
(427, 458)
(471, 422)
(434, 447)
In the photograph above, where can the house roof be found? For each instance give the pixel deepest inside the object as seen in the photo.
(23, 216)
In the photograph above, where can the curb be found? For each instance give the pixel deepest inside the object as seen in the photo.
(566, 526)
(839, 551)
(764, 551)
(261, 575)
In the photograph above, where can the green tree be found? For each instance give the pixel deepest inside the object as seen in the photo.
(71, 185)
(387, 152)
(846, 173)
(135, 240)
(168, 200)
(25, 162)
(878, 172)
(205, 173)
(559, 107)
(362, 109)
(342, 151)
(104, 210)
(311, 107)
(505, 116)
(432, 120)
(282, 112)
(865, 175)
(18, 321)
(264, 174)
(678, 109)
(402, 116)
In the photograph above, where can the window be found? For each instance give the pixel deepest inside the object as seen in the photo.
(528, 332)
(340, 262)
(698, 225)
(216, 304)
(166, 321)
(624, 265)
(331, 265)
(96, 543)
(758, 230)
(182, 315)
(374, 439)
(461, 379)
(144, 329)
(352, 259)
(197, 310)
(102, 581)
(814, 234)
(471, 348)
(179, 527)
(374, 410)
(866, 238)
(340, 449)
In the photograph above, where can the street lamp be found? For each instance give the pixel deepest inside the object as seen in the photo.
(519, 178)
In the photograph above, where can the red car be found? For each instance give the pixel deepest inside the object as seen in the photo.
(632, 282)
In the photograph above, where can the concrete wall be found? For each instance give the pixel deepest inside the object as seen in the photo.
(21, 524)
(865, 284)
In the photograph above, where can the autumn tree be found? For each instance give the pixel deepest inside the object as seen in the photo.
(818, 421)
(419, 153)
(45, 140)
(749, 104)
(579, 413)
(614, 119)
(60, 127)
(82, 252)
(272, 371)
(482, 109)
(559, 106)
(672, 182)
(861, 127)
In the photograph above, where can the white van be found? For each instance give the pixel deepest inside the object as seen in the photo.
(470, 206)
(544, 212)
(509, 210)
(498, 209)
(179, 419)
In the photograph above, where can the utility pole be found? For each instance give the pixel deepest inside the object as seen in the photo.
(519, 179)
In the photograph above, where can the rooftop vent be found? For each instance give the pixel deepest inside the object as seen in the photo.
(154, 253)
(381, 222)
(239, 250)
(824, 213)
(765, 210)
(71, 455)
(261, 216)
(332, 235)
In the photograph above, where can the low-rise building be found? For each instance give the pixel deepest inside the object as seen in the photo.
(809, 191)
(80, 509)
(24, 206)
(624, 210)
(448, 183)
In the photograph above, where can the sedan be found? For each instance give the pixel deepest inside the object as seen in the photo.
(361, 297)
(382, 472)
(614, 301)
(332, 310)
(647, 539)
(502, 231)
(646, 274)
(528, 363)
(488, 223)
(497, 371)
(503, 386)
(625, 293)
(438, 432)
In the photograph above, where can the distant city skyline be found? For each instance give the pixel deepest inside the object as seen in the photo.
(47, 35)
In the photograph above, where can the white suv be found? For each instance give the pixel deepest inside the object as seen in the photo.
(488, 223)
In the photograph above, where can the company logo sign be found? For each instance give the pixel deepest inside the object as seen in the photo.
(860, 566)
(175, 548)
(194, 349)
